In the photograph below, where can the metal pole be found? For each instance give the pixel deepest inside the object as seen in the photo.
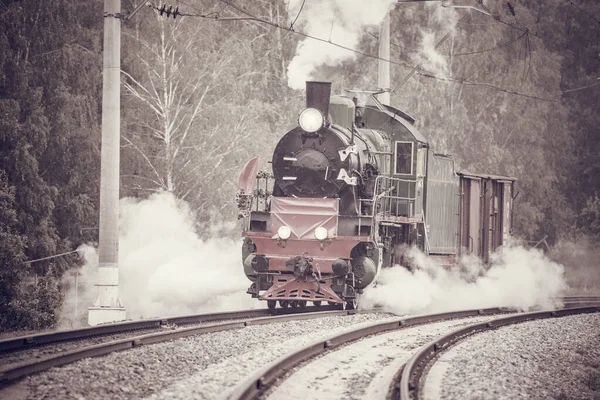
(383, 78)
(76, 296)
(108, 307)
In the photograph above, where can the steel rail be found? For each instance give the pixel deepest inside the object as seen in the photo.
(264, 378)
(410, 376)
(12, 372)
(581, 298)
(40, 339)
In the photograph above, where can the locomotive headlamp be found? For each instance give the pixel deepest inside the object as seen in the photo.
(311, 120)
(284, 232)
(321, 233)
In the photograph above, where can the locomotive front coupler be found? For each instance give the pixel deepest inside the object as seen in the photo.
(302, 265)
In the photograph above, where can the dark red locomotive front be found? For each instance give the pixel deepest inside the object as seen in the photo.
(348, 194)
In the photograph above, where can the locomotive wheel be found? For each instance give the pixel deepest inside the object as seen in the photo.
(271, 304)
(316, 303)
(284, 303)
(331, 303)
(294, 303)
(302, 303)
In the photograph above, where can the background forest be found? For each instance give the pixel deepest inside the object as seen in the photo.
(514, 95)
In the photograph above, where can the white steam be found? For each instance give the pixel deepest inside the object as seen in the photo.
(517, 278)
(164, 267)
(443, 22)
(339, 21)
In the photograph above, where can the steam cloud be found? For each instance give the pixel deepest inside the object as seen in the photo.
(341, 21)
(444, 21)
(518, 278)
(164, 267)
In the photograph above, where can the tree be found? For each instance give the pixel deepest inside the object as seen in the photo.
(49, 115)
(200, 94)
(11, 256)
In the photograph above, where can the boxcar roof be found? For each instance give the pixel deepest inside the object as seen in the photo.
(468, 174)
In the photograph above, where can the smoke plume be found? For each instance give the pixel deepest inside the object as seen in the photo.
(443, 22)
(517, 277)
(165, 269)
(339, 21)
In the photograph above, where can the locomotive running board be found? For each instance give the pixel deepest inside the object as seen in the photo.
(298, 288)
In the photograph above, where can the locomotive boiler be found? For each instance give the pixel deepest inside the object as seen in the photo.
(353, 186)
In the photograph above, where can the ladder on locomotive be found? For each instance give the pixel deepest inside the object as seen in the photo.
(393, 200)
(394, 204)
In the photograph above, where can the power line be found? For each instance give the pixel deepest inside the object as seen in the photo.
(299, 12)
(500, 46)
(530, 32)
(581, 88)
(411, 73)
(583, 11)
(416, 68)
(489, 85)
(215, 15)
(526, 29)
(50, 257)
(251, 17)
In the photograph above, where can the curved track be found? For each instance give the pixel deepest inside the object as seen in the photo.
(410, 380)
(316, 374)
(35, 353)
(25, 355)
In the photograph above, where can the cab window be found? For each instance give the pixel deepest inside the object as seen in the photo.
(404, 158)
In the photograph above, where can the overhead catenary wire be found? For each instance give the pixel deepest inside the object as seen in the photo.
(582, 87)
(442, 40)
(251, 17)
(500, 46)
(50, 257)
(583, 11)
(489, 85)
(298, 15)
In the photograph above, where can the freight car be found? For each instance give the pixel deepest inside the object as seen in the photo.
(353, 186)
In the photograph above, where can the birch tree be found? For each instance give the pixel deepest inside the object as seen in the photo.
(177, 96)
(189, 127)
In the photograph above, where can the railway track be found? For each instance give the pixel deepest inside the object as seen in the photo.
(35, 353)
(323, 374)
(22, 356)
(409, 382)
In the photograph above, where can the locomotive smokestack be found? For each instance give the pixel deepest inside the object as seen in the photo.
(317, 96)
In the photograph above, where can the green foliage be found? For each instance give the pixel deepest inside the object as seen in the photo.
(12, 268)
(50, 63)
(589, 218)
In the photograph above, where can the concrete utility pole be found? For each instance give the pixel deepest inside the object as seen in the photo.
(108, 307)
(383, 78)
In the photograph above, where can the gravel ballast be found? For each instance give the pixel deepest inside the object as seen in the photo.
(555, 358)
(206, 366)
(362, 369)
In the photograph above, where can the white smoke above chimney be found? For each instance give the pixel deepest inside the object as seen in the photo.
(339, 21)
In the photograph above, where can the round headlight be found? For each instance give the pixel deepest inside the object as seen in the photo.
(284, 232)
(311, 120)
(321, 233)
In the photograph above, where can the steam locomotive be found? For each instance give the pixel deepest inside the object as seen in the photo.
(353, 186)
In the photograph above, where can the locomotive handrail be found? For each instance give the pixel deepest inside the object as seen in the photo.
(381, 177)
(385, 186)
